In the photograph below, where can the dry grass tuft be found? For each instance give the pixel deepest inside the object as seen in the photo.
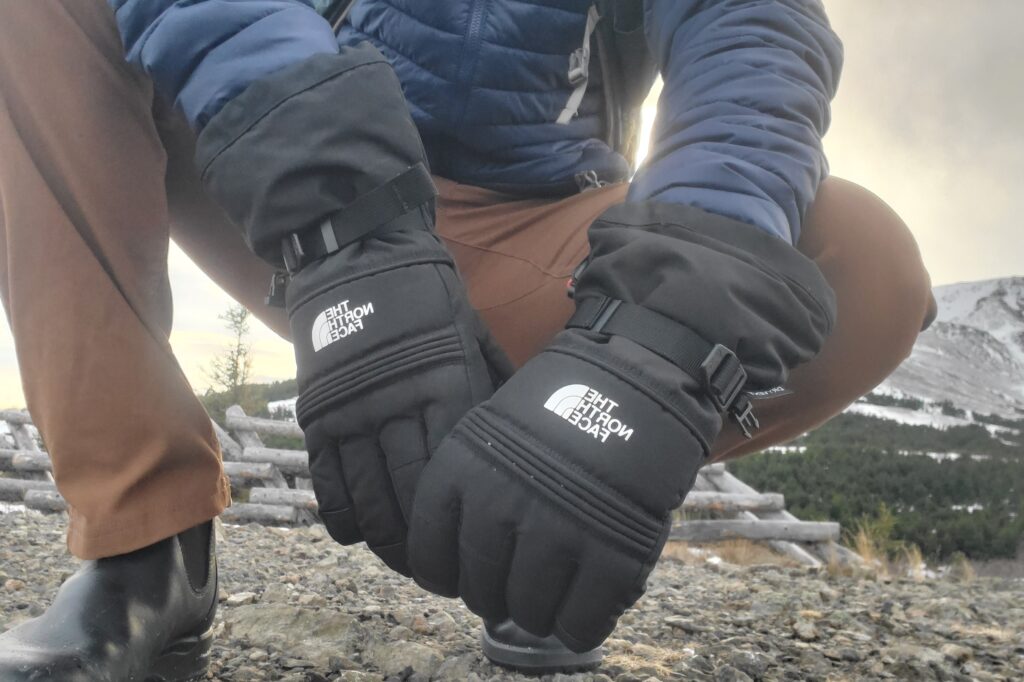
(737, 552)
(643, 659)
(748, 553)
(961, 569)
(912, 563)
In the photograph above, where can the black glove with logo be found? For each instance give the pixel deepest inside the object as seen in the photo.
(551, 502)
(324, 168)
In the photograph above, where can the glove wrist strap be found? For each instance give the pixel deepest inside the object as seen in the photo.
(717, 368)
(378, 211)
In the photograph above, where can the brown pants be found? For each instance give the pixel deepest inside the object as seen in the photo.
(95, 179)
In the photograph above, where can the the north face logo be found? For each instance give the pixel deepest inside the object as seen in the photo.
(589, 411)
(337, 322)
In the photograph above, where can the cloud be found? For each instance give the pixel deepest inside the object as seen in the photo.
(928, 116)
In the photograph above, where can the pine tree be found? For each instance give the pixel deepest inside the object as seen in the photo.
(230, 371)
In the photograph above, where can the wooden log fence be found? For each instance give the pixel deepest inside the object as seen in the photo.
(275, 488)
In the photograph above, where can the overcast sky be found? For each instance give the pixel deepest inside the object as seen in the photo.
(928, 116)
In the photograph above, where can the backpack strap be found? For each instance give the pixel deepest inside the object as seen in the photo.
(579, 69)
(628, 70)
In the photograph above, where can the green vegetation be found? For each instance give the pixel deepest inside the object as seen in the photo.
(851, 473)
(892, 401)
(855, 431)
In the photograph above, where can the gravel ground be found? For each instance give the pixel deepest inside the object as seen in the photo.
(297, 607)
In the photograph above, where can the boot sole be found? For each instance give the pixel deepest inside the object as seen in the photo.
(185, 660)
(531, 661)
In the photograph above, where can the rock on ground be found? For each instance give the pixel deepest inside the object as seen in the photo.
(297, 607)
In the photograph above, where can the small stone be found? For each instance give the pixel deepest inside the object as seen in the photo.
(442, 624)
(394, 657)
(419, 625)
(400, 632)
(276, 593)
(956, 652)
(258, 655)
(752, 663)
(241, 599)
(727, 673)
(456, 669)
(805, 630)
(684, 624)
(843, 654)
(13, 585)
(312, 599)
(358, 676)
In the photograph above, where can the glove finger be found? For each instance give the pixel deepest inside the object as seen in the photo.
(377, 510)
(498, 363)
(434, 529)
(602, 589)
(439, 419)
(538, 580)
(333, 499)
(485, 556)
(404, 443)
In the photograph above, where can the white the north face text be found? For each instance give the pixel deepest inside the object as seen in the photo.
(338, 322)
(588, 410)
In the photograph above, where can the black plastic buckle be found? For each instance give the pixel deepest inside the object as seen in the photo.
(278, 284)
(743, 412)
(723, 375)
(574, 278)
(292, 253)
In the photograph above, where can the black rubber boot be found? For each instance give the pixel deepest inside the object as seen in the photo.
(143, 616)
(509, 646)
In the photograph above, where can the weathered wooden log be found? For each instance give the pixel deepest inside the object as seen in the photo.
(727, 482)
(288, 461)
(791, 531)
(45, 500)
(249, 438)
(15, 416)
(26, 440)
(238, 421)
(244, 473)
(302, 499)
(14, 489)
(24, 460)
(230, 449)
(825, 552)
(259, 513)
(733, 502)
(7, 459)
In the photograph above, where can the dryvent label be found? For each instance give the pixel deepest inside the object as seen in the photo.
(589, 411)
(339, 322)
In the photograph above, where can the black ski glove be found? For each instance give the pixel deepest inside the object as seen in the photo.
(551, 502)
(324, 168)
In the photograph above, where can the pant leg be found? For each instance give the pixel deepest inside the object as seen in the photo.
(204, 232)
(516, 256)
(83, 278)
(869, 257)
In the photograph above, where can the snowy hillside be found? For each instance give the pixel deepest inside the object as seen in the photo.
(973, 356)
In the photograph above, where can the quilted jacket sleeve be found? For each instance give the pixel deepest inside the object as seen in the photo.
(201, 53)
(744, 107)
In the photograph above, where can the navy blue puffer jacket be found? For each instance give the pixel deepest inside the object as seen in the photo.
(745, 102)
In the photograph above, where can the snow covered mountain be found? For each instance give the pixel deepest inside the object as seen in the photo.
(972, 356)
